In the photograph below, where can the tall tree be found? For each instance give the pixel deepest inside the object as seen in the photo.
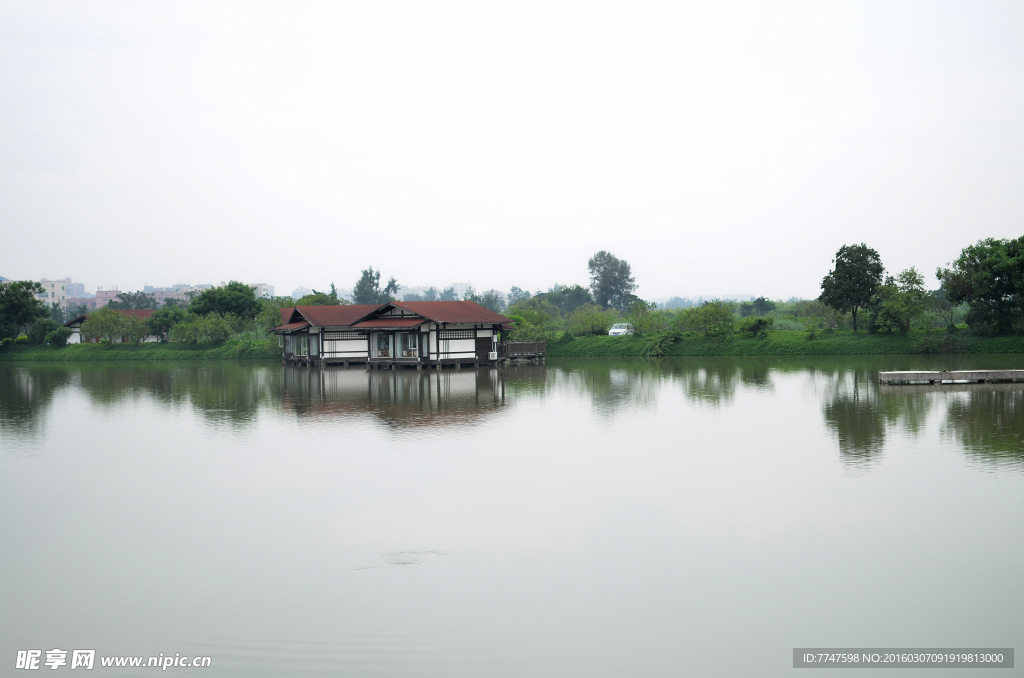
(448, 294)
(989, 277)
(899, 301)
(611, 280)
(19, 307)
(322, 299)
(236, 298)
(134, 300)
(856, 277)
(161, 322)
(517, 294)
(368, 290)
(105, 324)
(491, 299)
(760, 306)
(567, 298)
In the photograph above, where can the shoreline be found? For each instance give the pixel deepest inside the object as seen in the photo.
(779, 342)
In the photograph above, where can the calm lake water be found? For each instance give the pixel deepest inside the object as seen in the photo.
(581, 518)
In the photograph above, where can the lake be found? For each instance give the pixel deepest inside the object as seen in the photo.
(600, 517)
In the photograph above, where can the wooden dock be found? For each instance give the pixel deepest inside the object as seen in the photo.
(522, 350)
(950, 377)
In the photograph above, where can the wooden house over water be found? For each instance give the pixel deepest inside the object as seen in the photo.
(413, 333)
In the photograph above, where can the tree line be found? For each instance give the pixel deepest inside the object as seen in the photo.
(982, 291)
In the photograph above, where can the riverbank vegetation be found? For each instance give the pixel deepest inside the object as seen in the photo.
(235, 349)
(978, 307)
(781, 342)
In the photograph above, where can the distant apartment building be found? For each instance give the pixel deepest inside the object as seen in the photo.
(104, 297)
(460, 289)
(263, 291)
(162, 294)
(182, 290)
(74, 303)
(405, 290)
(300, 292)
(54, 292)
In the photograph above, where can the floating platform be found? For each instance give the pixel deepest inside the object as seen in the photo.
(909, 389)
(950, 377)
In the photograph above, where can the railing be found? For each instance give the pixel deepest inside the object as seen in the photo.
(524, 349)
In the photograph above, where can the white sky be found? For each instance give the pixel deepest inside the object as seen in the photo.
(719, 148)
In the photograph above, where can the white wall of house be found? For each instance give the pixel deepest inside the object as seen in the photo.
(345, 348)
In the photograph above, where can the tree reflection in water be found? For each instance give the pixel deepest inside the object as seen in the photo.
(26, 394)
(853, 415)
(985, 420)
(988, 423)
(860, 417)
(224, 393)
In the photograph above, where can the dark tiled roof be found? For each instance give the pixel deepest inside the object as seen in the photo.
(336, 316)
(291, 327)
(461, 312)
(389, 323)
(286, 315)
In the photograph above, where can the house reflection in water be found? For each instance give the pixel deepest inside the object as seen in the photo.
(399, 397)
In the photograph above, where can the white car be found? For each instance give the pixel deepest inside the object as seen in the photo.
(620, 329)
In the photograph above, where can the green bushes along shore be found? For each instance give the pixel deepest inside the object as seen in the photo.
(782, 342)
(978, 308)
(232, 350)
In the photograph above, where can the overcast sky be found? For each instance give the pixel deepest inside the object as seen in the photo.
(718, 147)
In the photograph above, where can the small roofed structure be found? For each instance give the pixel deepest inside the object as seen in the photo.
(76, 324)
(415, 333)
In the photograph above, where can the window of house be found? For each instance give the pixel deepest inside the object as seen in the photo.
(406, 345)
(382, 345)
(457, 334)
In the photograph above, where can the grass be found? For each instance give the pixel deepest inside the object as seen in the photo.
(784, 342)
(232, 350)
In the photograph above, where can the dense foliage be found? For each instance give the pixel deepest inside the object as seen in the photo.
(898, 302)
(107, 325)
(758, 307)
(19, 307)
(852, 284)
(368, 289)
(611, 280)
(160, 323)
(989, 278)
(429, 294)
(491, 299)
(133, 301)
(235, 298)
(322, 299)
(233, 349)
(784, 342)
